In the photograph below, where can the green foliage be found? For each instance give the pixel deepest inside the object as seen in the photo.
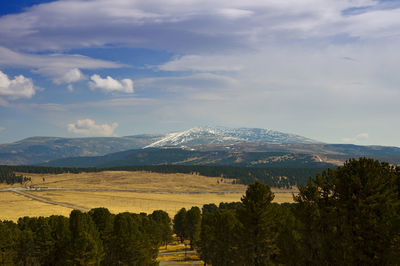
(9, 241)
(61, 236)
(94, 238)
(259, 227)
(180, 224)
(278, 176)
(8, 176)
(347, 216)
(132, 246)
(351, 215)
(163, 228)
(187, 225)
(104, 222)
(220, 238)
(85, 246)
(192, 224)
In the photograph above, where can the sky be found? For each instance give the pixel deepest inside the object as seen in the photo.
(324, 69)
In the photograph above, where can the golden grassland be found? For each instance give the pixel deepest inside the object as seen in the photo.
(135, 180)
(13, 206)
(153, 197)
(176, 246)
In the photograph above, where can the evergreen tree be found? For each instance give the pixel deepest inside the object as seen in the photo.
(61, 235)
(104, 222)
(132, 246)
(259, 232)
(163, 225)
(220, 238)
(86, 247)
(351, 215)
(180, 224)
(9, 234)
(193, 225)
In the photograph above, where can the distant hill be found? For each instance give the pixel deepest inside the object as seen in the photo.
(196, 146)
(261, 155)
(179, 156)
(42, 149)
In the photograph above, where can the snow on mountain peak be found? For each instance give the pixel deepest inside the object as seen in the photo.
(215, 135)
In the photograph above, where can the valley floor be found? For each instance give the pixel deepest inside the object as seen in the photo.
(119, 192)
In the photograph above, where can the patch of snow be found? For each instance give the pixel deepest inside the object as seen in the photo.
(215, 135)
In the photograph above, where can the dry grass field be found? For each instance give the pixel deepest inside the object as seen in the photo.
(13, 206)
(135, 180)
(168, 192)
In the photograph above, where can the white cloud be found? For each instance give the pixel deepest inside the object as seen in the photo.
(189, 83)
(71, 76)
(2, 128)
(235, 13)
(19, 87)
(61, 68)
(109, 84)
(201, 63)
(88, 127)
(195, 25)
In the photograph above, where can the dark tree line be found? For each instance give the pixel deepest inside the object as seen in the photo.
(8, 176)
(280, 177)
(94, 238)
(348, 216)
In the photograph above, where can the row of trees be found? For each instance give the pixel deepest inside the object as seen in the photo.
(94, 238)
(347, 216)
(281, 177)
(8, 176)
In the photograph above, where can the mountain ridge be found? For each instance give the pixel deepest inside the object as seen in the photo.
(39, 150)
(214, 135)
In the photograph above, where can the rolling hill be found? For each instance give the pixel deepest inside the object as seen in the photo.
(42, 149)
(252, 147)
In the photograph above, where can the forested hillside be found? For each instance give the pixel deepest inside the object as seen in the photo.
(193, 157)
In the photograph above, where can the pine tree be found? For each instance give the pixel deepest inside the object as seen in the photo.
(259, 227)
(351, 215)
(9, 235)
(180, 224)
(163, 225)
(192, 225)
(61, 235)
(132, 245)
(86, 247)
(220, 238)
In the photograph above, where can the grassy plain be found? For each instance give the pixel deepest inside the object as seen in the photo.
(168, 192)
(13, 206)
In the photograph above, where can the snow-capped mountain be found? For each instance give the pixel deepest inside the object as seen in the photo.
(216, 135)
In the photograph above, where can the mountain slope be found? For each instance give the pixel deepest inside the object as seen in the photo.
(41, 149)
(215, 135)
(154, 156)
(198, 146)
(239, 154)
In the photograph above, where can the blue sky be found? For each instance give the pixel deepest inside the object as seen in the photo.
(325, 69)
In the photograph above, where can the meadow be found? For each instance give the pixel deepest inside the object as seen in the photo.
(121, 191)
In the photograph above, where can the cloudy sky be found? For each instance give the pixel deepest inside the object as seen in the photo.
(324, 69)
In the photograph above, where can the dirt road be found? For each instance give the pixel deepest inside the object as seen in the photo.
(44, 200)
